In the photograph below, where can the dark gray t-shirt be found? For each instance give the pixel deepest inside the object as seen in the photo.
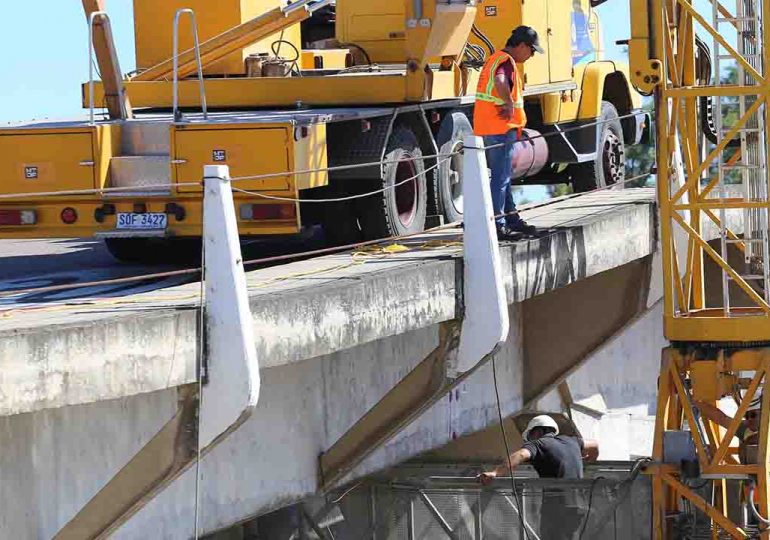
(557, 456)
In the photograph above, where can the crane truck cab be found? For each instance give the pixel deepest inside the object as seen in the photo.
(362, 96)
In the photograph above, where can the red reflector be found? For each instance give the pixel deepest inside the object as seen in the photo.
(18, 217)
(268, 211)
(69, 216)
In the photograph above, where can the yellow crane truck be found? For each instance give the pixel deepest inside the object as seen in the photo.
(267, 87)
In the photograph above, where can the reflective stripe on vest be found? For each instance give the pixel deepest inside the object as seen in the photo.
(486, 119)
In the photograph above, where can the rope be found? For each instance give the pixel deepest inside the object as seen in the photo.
(341, 199)
(73, 192)
(304, 254)
(10, 196)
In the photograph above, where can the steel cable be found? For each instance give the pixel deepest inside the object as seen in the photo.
(266, 176)
(292, 256)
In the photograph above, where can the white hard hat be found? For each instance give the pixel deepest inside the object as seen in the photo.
(542, 420)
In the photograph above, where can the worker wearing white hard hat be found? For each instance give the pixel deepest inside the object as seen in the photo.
(541, 421)
(553, 456)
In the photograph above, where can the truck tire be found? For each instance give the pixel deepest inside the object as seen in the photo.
(448, 188)
(154, 250)
(609, 167)
(402, 209)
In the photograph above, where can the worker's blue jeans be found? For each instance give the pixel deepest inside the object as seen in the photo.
(500, 161)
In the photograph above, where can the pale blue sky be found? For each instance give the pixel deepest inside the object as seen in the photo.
(44, 49)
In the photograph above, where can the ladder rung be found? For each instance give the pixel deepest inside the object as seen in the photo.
(745, 240)
(737, 19)
(731, 57)
(744, 130)
(728, 167)
(749, 276)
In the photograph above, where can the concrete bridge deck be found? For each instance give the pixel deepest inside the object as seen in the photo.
(99, 346)
(87, 381)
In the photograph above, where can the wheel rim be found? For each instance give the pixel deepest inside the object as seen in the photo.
(613, 159)
(406, 192)
(455, 177)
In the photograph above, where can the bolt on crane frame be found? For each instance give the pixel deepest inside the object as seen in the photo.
(717, 348)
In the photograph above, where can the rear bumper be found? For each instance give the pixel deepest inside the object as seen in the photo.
(49, 223)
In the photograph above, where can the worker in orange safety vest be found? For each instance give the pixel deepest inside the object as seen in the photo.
(499, 118)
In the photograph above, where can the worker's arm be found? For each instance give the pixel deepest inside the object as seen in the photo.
(714, 414)
(503, 89)
(516, 459)
(590, 450)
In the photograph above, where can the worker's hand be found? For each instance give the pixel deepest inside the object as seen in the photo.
(505, 111)
(486, 478)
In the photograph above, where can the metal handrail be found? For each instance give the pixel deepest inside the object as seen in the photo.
(91, 20)
(196, 44)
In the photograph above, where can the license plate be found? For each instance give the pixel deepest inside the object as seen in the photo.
(142, 222)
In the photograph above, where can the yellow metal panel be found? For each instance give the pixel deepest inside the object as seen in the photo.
(153, 24)
(551, 105)
(444, 85)
(310, 153)
(559, 36)
(376, 25)
(268, 92)
(247, 150)
(107, 143)
(251, 9)
(704, 381)
(593, 89)
(330, 58)
(49, 223)
(450, 29)
(535, 14)
(35, 162)
(496, 19)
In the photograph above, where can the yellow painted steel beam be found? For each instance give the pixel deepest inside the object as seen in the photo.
(680, 294)
(688, 413)
(730, 233)
(732, 160)
(717, 516)
(721, 203)
(269, 92)
(116, 100)
(725, 91)
(724, 264)
(721, 40)
(712, 325)
(227, 42)
(738, 418)
(695, 177)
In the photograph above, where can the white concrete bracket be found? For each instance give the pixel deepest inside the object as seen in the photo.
(228, 397)
(232, 388)
(485, 325)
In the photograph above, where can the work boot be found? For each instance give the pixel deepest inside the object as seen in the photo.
(518, 225)
(505, 233)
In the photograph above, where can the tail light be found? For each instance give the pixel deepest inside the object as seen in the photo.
(257, 212)
(18, 217)
(69, 216)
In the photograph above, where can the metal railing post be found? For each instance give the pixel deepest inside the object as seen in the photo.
(196, 45)
(91, 20)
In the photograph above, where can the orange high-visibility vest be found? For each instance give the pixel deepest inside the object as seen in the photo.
(486, 120)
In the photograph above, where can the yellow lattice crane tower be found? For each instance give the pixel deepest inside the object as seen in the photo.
(706, 65)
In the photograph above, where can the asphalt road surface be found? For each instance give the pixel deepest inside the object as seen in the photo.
(27, 264)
